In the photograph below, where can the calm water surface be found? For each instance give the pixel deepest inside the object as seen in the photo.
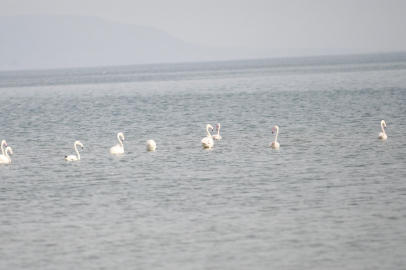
(332, 197)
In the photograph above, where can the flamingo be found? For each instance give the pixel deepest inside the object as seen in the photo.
(275, 144)
(217, 136)
(73, 157)
(208, 141)
(382, 135)
(118, 149)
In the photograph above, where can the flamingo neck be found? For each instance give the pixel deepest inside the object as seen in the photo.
(277, 132)
(77, 152)
(208, 133)
(383, 130)
(218, 131)
(118, 137)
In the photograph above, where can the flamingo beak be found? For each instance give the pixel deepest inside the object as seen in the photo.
(273, 130)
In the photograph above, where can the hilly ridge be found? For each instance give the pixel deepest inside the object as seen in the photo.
(38, 41)
(62, 41)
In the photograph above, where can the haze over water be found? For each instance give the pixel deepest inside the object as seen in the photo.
(332, 197)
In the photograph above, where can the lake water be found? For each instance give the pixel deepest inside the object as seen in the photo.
(332, 197)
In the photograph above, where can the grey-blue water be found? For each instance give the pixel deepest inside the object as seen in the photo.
(332, 197)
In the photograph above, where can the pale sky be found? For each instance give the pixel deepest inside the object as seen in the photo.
(366, 25)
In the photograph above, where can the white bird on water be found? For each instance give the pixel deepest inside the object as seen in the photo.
(382, 135)
(73, 157)
(217, 136)
(275, 144)
(208, 141)
(118, 149)
(151, 145)
(5, 159)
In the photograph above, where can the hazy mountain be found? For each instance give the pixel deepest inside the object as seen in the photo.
(56, 41)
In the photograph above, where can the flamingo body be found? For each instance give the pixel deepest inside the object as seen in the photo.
(274, 145)
(382, 136)
(71, 158)
(151, 145)
(207, 142)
